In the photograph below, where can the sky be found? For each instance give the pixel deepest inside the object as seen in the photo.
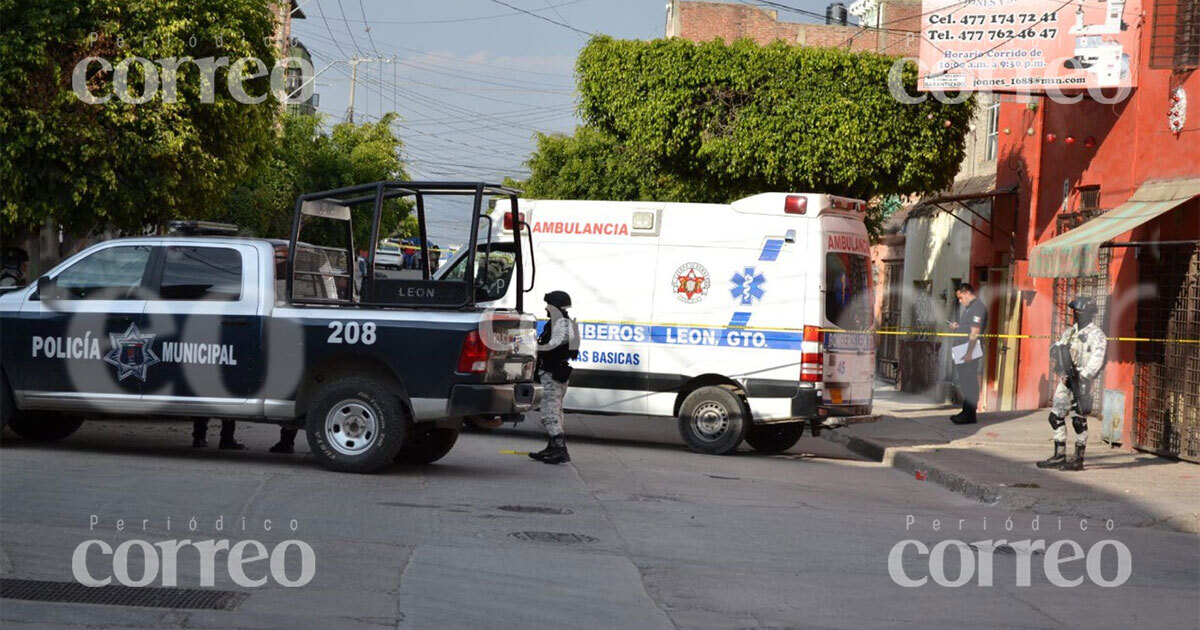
(473, 80)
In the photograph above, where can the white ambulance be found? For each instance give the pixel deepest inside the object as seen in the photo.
(729, 318)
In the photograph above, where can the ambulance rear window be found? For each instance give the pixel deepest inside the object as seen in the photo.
(847, 290)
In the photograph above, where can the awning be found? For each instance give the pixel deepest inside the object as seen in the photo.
(1076, 253)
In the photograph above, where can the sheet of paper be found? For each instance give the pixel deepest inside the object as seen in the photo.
(959, 352)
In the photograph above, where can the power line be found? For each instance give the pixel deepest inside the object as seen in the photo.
(367, 28)
(353, 40)
(332, 37)
(543, 18)
(469, 19)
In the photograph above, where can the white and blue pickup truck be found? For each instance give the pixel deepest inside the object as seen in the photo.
(285, 332)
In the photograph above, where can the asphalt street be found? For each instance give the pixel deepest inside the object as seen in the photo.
(636, 532)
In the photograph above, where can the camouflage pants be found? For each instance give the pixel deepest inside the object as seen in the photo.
(552, 404)
(1063, 406)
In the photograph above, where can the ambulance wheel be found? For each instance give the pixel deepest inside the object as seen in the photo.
(713, 421)
(356, 424)
(425, 446)
(774, 438)
(43, 427)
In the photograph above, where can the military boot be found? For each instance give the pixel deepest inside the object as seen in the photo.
(1057, 459)
(1076, 461)
(558, 452)
(541, 455)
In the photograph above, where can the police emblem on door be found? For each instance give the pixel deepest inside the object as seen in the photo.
(131, 353)
(690, 283)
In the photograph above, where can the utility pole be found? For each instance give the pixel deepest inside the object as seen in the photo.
(354, 78)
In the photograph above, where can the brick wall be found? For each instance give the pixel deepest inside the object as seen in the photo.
(705, 21)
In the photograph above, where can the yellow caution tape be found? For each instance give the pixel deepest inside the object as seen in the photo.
(514, 452)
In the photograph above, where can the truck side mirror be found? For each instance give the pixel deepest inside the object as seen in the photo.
(47, 287)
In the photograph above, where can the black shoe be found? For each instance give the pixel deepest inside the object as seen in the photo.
(281, 447)
(199, 442)
(965, 418)
(231, 445)
(1076, 461)
(541, 455)
(558, 453)
(1057, 459)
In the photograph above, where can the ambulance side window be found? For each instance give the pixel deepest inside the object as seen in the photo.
(202, 273)
(112, 273)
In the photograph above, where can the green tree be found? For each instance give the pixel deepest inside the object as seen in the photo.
(116, 164)
(676, 120)
(306, 157)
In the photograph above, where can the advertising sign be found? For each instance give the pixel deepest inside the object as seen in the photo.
(1028, 45)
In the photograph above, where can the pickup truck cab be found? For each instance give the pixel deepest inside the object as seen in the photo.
(216, 327)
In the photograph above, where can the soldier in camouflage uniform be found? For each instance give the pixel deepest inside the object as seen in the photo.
(557, 345)
(1087, 345)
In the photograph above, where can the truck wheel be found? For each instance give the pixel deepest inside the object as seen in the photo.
(355, 424)
(425, 446)
(774, 438)
(44, 427)
(713, 420)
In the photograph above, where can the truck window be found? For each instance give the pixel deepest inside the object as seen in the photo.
(847, 290)
(201, 273)
(109, 274)
(493, 271)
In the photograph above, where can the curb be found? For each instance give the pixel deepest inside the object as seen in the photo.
(911, 462)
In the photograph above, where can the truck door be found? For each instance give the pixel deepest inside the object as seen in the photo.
(206, 317)
(84, 340)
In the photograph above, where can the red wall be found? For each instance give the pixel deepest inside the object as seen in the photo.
(1133, 145)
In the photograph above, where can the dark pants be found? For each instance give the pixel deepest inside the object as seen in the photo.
(287, 435)
(200, 429)
(968, 385)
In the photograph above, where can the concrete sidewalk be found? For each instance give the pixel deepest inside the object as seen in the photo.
(993, 461)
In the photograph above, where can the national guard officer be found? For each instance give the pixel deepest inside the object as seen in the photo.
(558, 344)
(16, 265)
(1085, 345)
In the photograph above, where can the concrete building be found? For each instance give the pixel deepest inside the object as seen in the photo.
(894, 31)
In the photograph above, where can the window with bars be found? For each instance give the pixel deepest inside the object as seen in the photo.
(992, 139)
(1175, 38)
(1089, 198)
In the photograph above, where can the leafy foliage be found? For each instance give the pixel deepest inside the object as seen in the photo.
(675, 120)
(120, 165)
(307, 158)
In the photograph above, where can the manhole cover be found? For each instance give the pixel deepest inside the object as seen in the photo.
(117, 595)
(561, 538)
(534, 509)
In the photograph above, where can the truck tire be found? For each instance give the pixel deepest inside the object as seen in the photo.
(44, 426)
(774, 438)
(713, 421)
(356, 424)
(425, 446)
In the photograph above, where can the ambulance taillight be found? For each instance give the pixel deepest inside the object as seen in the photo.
(795, 204)
(810, 367)
(508, 219)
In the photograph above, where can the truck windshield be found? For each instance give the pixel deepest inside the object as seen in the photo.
(847, 290)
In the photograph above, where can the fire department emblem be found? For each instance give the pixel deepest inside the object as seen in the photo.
(690, 283)
(131, 353)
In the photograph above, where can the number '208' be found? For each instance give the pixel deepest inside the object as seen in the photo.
(351, 332)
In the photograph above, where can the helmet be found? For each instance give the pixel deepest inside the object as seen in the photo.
(559, 299)
(14, 256)
(1083, 304)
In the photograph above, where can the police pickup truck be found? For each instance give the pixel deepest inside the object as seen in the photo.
(374, 368)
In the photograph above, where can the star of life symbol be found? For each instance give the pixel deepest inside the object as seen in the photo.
(690, 282)
(747, 286)
(131, 353)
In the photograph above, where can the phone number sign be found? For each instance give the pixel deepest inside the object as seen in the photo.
(1028, 45)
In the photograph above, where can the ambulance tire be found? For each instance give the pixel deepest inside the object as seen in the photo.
(425, 446)
(44, 426)
(773, 439)
(713, 421)
(356, 424)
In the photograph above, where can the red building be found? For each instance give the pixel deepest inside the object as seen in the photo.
(1107, 203)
